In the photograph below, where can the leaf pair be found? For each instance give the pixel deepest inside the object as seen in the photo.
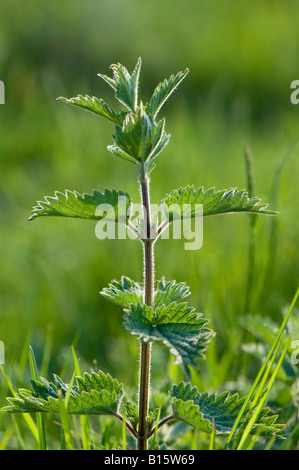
(178, 326)
(183, 202)
(100, 394)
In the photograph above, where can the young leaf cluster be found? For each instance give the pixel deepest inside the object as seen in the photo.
(138, 136)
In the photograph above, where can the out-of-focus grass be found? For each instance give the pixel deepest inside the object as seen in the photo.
(242, 60)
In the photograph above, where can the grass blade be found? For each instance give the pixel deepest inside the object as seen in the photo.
(84, 421)
(264, 370)
(262, 400)
(30, 423)
(40, 418)
(292, 440)
(156, 429)
(65, 423)
(212, 438)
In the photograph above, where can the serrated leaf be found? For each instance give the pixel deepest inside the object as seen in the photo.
(95, 105)
(178, 326)
(186, 202)
(163, 91)
(95, 393)
(73, 204)
(118, 152)
(124, 292)
(132, 414)
(140, 138)
(170, 291)
(124, 84)
(203, 411)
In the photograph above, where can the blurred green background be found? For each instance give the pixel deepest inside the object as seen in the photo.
(242, 58)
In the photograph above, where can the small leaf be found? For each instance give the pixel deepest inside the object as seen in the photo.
(131, 413)
(96, 106)
(73, 204)
(140, 138)
(163, 91)
(185, 202)
(169, 291)
(124, 292)
(202, 411)
(118, 152)
(178, 326)
(124, 84)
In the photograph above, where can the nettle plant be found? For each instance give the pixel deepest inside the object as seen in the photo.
(154, 310)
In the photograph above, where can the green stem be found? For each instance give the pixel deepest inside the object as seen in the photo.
(145, 347)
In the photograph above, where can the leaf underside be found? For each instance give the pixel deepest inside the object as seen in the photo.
(95, 393)
(178, 326)
(186, 202)
(203, 411)
(73, 204)
(96, 106)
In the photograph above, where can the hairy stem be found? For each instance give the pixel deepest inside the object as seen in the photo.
(145, 347)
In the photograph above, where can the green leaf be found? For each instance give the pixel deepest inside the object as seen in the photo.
(127, 292)
(163, 91)
(96, 106)
(185, 202)
(73, 204)
(95, 393)
(178, 326)
(139, 138)
(118, 152)
(124, 84)
(169, 291)
(202, 411)
(124, 292)
(131, 413)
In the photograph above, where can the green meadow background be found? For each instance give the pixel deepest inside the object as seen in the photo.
(242, 58)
